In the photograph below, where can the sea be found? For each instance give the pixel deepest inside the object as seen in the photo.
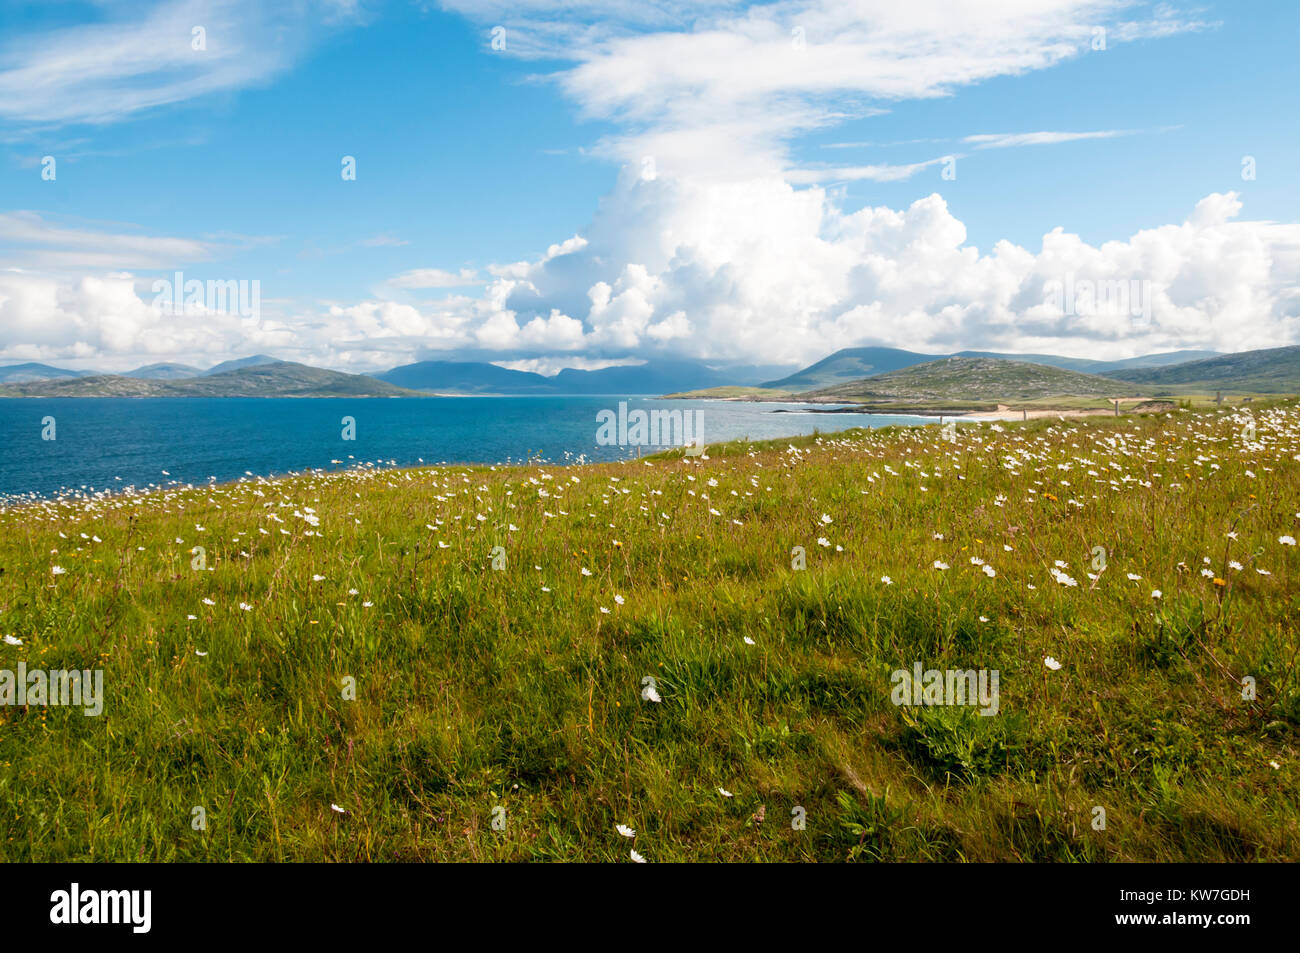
(54, 446)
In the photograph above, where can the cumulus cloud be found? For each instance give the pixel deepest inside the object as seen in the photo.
(764, 271)
(756, 271)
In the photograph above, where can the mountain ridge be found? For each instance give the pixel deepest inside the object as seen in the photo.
(1268, 370)
(279, 379)
(848, 364)
(1273, 370)
(974, 378)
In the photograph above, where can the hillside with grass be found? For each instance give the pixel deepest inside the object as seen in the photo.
(1269, 371)
(276, 379)
(846, 365)
(734, 393)
(972, 379)
(854, 363)
(679, 657)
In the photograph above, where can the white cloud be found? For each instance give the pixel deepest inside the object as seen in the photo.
(766, 272)
(28, 240)
(723, 85)
(722, 247)
(550, 366)
(1006, 140)
(435, 278)
(106, 71)
(757, 271)
(872, 173)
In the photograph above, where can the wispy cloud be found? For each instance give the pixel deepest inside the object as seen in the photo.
(721, 84)
(171, 53)
(62, 247)
(856, 173)
(435, 278)
(1007, 140)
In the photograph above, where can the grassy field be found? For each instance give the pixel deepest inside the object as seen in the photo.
(1148, 557)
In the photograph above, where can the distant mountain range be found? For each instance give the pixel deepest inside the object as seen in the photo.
(855, 363)
(653, 377)
(27, 373)
(23, 373)
(1274, 370)
(277, 379)
(239, 378)
(164, 372)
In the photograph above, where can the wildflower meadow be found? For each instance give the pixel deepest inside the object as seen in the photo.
(679, 658)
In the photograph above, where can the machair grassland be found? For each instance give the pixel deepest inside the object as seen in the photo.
(522, 688)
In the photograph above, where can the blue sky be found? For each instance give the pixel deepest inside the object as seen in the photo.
(748, 244)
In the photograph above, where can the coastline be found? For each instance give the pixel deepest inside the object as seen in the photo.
(13, 500)
(999, 412)
(859, 418)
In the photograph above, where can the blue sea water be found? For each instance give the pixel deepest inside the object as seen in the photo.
(112, 443)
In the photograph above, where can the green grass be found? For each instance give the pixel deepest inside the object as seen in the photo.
(475, 688)
(735, 392)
